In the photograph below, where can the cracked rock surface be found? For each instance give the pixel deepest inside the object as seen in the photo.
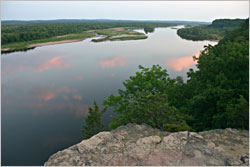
(141, 145)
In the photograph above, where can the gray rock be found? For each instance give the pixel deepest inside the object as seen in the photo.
(134, 145)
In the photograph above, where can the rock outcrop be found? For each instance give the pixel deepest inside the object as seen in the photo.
(134, 145)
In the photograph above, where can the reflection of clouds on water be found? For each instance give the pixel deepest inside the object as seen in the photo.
(181, 63)
(46, 94)
(56, 62)
(65, 89)
(50, 109)
(79, 78)
(113, 62)
(65, 97)
(9, 69)
(77, 97)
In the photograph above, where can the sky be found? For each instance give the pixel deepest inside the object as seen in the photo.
(124, 10)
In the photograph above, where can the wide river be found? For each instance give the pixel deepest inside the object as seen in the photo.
(46, 91)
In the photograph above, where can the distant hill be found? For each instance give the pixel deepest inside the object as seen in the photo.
(215, 31)
(15, 22)
(220, 23)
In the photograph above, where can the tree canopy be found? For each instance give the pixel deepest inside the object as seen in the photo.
(215, 31)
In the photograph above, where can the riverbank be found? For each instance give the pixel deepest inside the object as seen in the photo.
(111, 34)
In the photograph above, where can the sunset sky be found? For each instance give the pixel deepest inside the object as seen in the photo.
(139, 10)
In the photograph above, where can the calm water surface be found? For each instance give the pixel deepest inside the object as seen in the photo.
(46, 91)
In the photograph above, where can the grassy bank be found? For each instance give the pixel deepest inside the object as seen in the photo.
(22, 46)
(111, 34)
(119, 34)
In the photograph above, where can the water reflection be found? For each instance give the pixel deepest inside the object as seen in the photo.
(52, 109)
(51, 142)
(46, 94)
(77, 97)
(79, 78)
(56, 62)
(113, 62)
(181, 63)
(10, 69)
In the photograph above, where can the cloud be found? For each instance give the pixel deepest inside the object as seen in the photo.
(77, 97)
(56, 62)
(181, 63)
(46, 94)
(64, 89)
(113, 62)
(79, 78)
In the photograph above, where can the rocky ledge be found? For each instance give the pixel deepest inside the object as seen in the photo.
(134, 145)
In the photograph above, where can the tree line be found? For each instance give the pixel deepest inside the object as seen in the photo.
(216, 31)
(29, 32)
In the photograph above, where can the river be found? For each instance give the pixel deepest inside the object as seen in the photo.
(46, 91)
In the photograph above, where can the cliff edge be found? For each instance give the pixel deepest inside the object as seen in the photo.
(134, 145)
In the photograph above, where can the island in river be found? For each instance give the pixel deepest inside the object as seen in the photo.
(110, 34)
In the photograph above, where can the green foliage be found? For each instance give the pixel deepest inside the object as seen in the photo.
(176, 127)
(222, 77)
(93, 121)
(217, 30)
(148, 29)
(112, 35)
(237, 114)
(219, 23)
(144, 100)
(29, 32)
(130, 38)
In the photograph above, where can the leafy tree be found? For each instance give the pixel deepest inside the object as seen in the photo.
(93, 121)
(145, 101)
(222, 77)
(148, 29)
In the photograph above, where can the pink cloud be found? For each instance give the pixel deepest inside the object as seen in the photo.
(79, 78)
(78, 97)
(65, 97)
(181, 63)
(113, 62)
(64, 89)
(48, 96)
(56, 62)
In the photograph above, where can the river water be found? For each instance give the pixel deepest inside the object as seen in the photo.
(46, 91)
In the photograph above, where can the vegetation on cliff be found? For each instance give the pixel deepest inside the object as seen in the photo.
(93, 123)
(214, 96)
(216, 31)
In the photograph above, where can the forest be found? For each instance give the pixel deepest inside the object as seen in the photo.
(216, 95)
(28, 32)
(215, 31)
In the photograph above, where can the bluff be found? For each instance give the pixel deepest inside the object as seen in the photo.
(134, 145)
